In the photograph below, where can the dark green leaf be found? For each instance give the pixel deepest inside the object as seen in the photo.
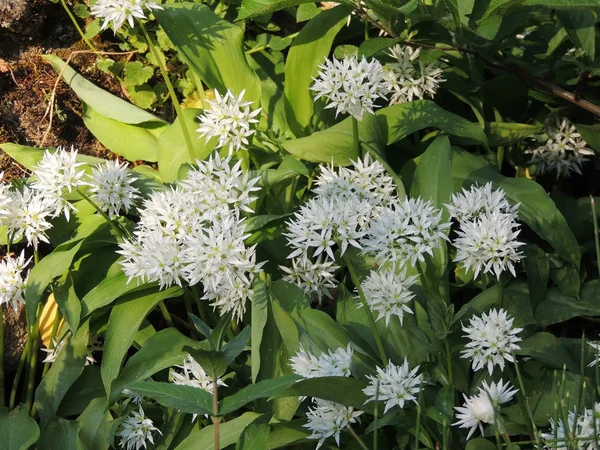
(537, 267)
(234, 347)
(371, 46)
(480, 444)
(187, 399)
(344, 390)
(213, 362)
(61, 433)
(18, 430)
(254, 8)
(229, 434)
(201, 326)
(558, 307)
(547, 349)
(260, 313)
(67, 300)
(94, 422)
(254, 437)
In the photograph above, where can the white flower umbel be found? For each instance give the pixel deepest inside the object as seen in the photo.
(327, 419)
(405, 232)
(336, 363)
(192, 374)
(492, 340)
(112, 189)
(13, 280)
(29, 213)
(560, 149)
(388, 293)
(472, 203)
(57, 174)
(480, 409)
(397, 385)
(315, 278)
(119, 11)
(489, 244)
(136, 431)
(351, 86)
(580, 430)
(229, 119)
(410, 78)
(132, 396)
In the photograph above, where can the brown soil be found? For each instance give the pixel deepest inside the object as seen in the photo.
(26, 82)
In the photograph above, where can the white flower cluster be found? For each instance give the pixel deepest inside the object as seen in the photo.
(335, 218)
(492, 340)
(482, 408)
(326, 418)
(26, 212)
(136, 431)
(395, 385)
(488, 230)
(409, 77)
(229, 119)
(580, 429)
(192, 374)
(350, 85)
(195, 232)
(13, 280)
(561, 149)
(119, 11)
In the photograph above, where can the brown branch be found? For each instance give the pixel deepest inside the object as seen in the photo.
(547, 86)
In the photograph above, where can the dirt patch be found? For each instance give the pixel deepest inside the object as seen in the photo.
(26, 83)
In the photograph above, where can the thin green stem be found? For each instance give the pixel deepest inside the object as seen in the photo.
(117, 229)
(32, 366)
(419, 411)
(376, 416)
(357, 437)
(216, 419)
(15, 385)
(365, 306)
(596, 237)
(163, 71)
(2, 399)
(165, 313)
(355, 136)
(449, 362)
(524, 404)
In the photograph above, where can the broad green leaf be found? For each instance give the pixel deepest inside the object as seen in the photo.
(374, 45)
(125, 319)
(136, 73)
(562, 4)
(254, 437)
(165, 349)
(558, 307)
(255, 8)
(480, 444)
(50, 267)
(286, 433)
(260, 312)
(580, 26)
(108, 290)
(172, 149)
(61, 433)
(505, 133)
(187, 399)
(235, 346)
(229, 434)
(103, 102)
(537, 209)
(307, 53)
(337, 142)
(87, 387)
(211, 46)
(68, 302)
(263, 389)
(537, 267)
(131, 141)
(64, 372)
(547, 349)
(18, 430)
(29, 157)
(399, 121)
(590, 133)
(344, 390)
(94, 425)
(212, 361)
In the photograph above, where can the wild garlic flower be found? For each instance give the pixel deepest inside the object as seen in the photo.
(410, 78)
(596, 353)
(132, 396)
(492, 340)
(397, 385)
(489, 244)
(192, 374)
(29, 214)
(561, 149)
(112, 188)
(480, 409)
(13, 280)
(315, 278)
(405, 232)
(229, 119)
(136, 431)
(327, 419)
(471, 204)
(336, 363)
(366, 181)
(57, 174)
(119, 11)
(323, 224)
(388, 293)
(57, 346)
(351, 86)
(580, 429)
